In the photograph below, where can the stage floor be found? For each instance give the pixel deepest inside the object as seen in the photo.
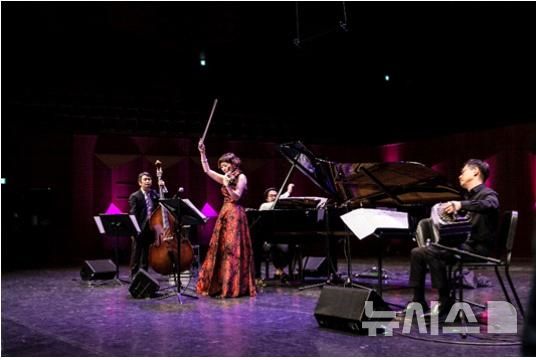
(53, 312)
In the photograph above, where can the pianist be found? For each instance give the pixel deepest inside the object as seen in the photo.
(279, 253)
(482, 204)
(270, 195)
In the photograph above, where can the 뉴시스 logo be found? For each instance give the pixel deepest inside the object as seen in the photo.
(502, 319)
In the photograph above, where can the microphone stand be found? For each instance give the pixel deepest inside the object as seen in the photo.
(176, 211)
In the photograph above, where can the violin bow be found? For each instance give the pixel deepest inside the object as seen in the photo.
(209, 120)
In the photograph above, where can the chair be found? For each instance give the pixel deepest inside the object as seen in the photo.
(507, 231)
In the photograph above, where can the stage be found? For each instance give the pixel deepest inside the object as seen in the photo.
(53, 312)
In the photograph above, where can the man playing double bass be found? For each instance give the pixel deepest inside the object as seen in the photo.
(142, 203)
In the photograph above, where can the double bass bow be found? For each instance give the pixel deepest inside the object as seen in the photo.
(164, 251)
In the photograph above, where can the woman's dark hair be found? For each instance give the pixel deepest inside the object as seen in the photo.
(231, 159)
(482, 166)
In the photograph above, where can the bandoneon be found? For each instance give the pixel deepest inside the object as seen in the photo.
(453, 229)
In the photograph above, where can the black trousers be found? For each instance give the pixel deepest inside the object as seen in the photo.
(423, 258)
(139, 253)
(437, 260)
(281, 256)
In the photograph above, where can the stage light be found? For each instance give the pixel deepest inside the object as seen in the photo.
(208, 210)
(113, 209)
(386, 77)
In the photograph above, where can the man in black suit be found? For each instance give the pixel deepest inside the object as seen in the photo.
(482, 203)
(142, 203)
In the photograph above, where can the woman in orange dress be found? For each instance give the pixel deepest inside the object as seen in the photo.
(228, 269)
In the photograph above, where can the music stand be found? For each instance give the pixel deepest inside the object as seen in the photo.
(185, 213)
(117, 225)
(364, 222)
(333, 277)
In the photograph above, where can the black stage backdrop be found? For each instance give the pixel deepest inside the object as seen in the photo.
(94, 93)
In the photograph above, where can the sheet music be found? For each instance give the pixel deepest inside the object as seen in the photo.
(196, 210)
(133, 219)
(321, 200)
(301, 202)
(98, 221)
(363, 222)
(135, 223)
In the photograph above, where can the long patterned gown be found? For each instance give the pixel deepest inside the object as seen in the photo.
(228, 269)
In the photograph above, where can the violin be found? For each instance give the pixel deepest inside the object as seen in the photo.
(233, 177)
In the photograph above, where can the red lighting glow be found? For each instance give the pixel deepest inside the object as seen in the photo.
(491, 181)
(533, 179)
(391, 152)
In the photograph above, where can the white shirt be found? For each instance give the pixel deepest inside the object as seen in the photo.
(270, 205)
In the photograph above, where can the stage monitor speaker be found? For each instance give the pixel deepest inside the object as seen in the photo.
(344, 308)
(98, 270)
(143, 285)
(314, 264)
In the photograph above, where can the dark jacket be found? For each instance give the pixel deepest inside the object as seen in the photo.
(483, 205)
(138, 207)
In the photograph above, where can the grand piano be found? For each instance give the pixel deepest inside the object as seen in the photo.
(409, 187)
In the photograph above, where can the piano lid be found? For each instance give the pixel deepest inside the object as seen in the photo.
(371, 184)
(316, 169)
(392, 183)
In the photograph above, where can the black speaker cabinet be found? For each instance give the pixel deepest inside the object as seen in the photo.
(98, 270)
(344, 308)
(143, 285)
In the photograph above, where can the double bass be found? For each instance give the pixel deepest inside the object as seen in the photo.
(163, 252)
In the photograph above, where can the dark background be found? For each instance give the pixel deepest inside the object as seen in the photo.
(452, 66)
(114, 72)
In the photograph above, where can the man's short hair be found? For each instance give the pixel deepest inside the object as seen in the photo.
(142, 174)
(268, 190)
(482, 166)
